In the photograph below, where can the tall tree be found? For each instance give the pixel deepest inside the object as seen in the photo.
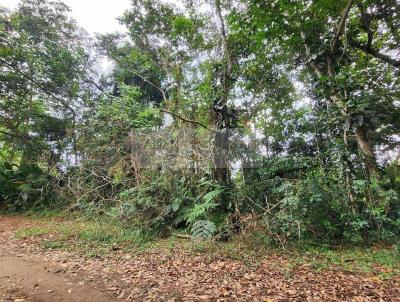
(43, 63)
(325, 39)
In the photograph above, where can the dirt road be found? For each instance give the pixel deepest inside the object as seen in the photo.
(26, 276)
(28, 272)
(26, 280)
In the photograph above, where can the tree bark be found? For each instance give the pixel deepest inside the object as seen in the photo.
(367, 151)
(220, 109)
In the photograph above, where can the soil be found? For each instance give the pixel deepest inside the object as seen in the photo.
(24, 276)
(28, 272)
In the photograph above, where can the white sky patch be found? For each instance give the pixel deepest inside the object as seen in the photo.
(95, 16)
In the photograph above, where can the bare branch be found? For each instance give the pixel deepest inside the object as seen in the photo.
(186, 119)
(90, 81)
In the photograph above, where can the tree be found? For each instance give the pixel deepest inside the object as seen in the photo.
(324, 37)
(43, 64)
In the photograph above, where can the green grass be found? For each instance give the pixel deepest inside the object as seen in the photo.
(93, 236)
(46, 213)
(383, 262)
(34, 231)
(53, 244)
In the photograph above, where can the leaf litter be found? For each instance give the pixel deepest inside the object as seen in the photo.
(182, 275)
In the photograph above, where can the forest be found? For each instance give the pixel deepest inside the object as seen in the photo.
(238, 129)
(217, 118)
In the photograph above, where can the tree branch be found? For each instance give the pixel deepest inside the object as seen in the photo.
(223, 35)
(187, 120)
(26, 138)
(308, 56)
(90, 81)
(374, 53)
(9, 134)
(40, 86)
(227, 75)
(341, 25)
(164, 96)
(366, 21)
(142, 77)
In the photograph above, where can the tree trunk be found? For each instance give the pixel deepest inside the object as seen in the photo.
(221, 157)
(220, 108)
(367, 151)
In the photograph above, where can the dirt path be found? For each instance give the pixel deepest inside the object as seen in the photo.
(30, 273)
(24, 276)
(25, 280)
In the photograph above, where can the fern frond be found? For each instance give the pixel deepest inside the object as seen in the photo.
(203, 229)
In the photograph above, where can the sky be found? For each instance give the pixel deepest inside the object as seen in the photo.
(96, 16)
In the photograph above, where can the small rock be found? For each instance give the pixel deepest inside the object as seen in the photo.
(57, 270)
(112, 288)
(121, 295)
(69, 291)
(50, 291)
(19, 300)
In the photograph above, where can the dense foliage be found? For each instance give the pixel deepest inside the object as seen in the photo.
(279, 118)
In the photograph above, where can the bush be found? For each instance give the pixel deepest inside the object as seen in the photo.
(307, 203)
(24, 188)
(172, 202)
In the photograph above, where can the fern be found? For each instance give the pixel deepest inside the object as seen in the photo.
(200, 209)
(210, 196)
(203, 229)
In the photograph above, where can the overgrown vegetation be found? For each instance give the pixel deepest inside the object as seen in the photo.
(273, 118)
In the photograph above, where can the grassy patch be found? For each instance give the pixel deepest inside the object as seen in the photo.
(46, 213)
(384, 262)
(95, 237)
(34, 231)
(53, 244)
